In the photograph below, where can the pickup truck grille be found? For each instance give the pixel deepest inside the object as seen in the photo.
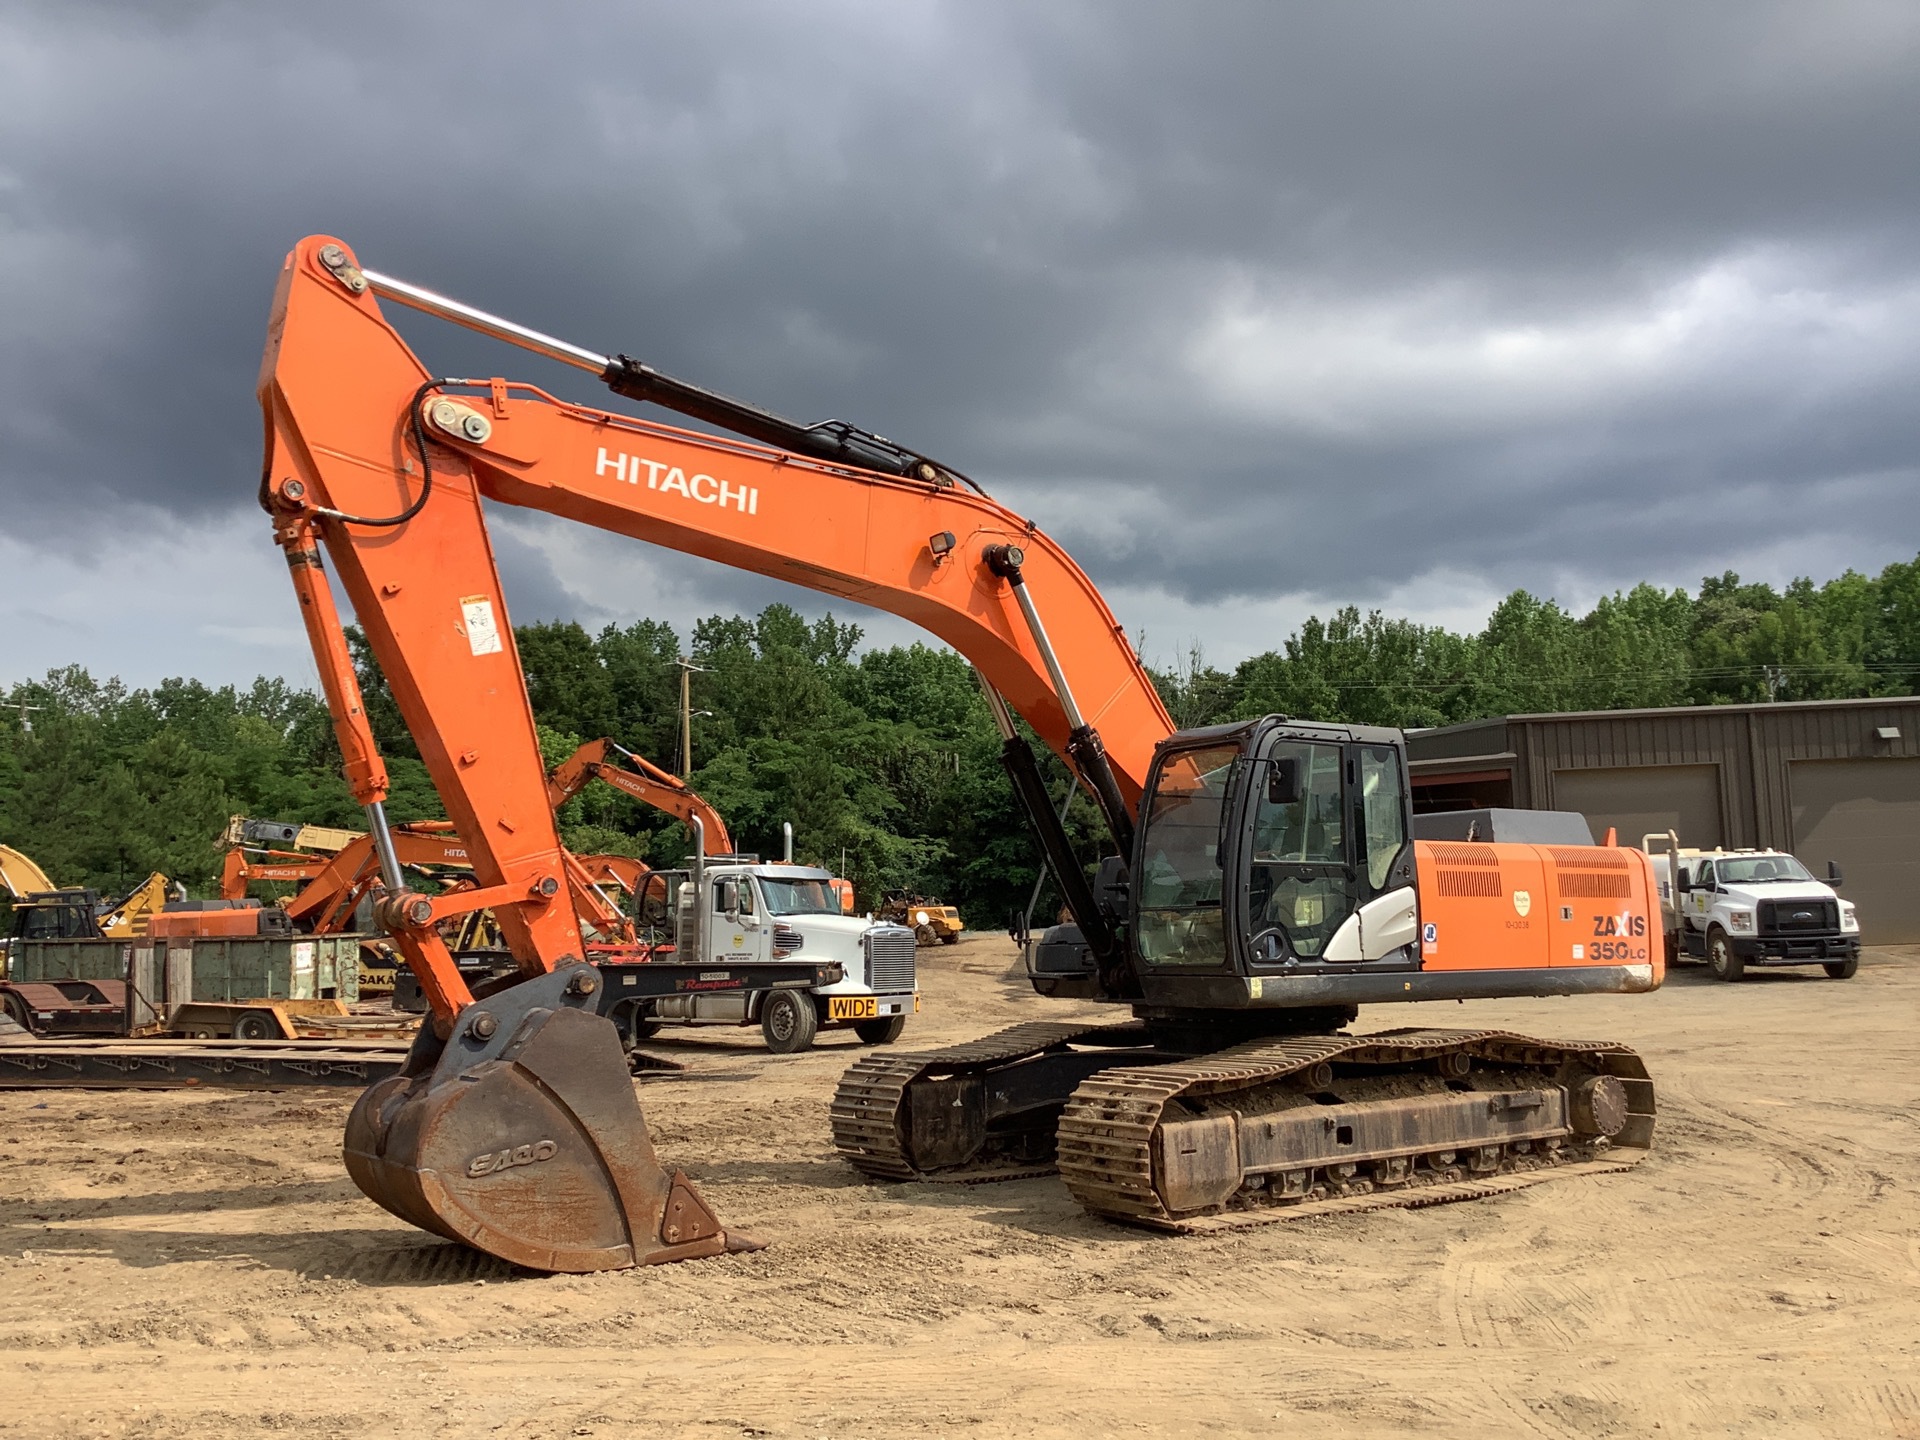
(890, 959)
(1799, 917)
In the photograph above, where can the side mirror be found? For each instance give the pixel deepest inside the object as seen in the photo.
(1834, 877)
(1283, 780)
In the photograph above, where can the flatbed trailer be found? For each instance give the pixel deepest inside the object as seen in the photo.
(173, 1064)
(628, 984)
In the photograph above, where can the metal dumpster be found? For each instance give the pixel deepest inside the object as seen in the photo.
(160, 975)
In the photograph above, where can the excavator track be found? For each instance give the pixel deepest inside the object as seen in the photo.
(1306, 1125)
(888, 1131)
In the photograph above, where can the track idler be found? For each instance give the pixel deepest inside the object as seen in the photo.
(521, 1137)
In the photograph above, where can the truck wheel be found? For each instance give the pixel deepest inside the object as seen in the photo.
(1720, 957)
(880, 1032)
(952, 938)
(1842, 969)
(252, 1025)
(640, 1025)
(789, 1021)
(19, 1012)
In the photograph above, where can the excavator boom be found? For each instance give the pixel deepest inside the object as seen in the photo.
(380, 464)
(21, 875)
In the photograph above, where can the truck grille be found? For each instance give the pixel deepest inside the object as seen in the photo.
(1799, 917)
(890, 959)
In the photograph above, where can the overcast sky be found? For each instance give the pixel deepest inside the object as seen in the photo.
(1262, 309)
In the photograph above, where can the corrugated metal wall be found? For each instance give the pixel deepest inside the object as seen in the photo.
(1751, 745)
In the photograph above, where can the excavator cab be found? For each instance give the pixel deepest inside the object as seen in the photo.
(1271, 856)
(1273, 848)
(72, 914)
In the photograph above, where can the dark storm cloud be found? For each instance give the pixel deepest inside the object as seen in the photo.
(1241, 300)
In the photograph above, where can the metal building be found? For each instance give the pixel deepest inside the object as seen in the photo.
(1825, 779)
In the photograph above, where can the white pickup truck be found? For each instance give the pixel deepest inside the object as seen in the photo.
(1735, 908)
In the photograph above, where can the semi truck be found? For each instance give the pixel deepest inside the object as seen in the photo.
(735, 910)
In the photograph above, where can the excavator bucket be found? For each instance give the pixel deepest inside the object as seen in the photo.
(520, 1136)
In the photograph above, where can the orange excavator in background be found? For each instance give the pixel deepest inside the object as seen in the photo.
(345, 868)
(333, 885)
(1263, 883)
(641, 779)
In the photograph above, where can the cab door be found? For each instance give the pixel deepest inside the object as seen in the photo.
(741, 928)
(1389, 912)
(1301, 890)
(1700, 898)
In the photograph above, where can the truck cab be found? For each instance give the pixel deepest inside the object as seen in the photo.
(737, 910)
(1735, 908)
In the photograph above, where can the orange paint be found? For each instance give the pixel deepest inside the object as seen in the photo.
(1513, 907)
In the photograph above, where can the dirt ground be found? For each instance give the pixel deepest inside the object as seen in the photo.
(197, 1264)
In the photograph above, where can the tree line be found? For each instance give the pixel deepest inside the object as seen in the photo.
(886, 761)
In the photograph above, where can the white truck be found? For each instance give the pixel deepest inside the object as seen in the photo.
(1735, 908)
(735, 912)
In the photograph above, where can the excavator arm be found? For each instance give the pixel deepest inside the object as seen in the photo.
(128, 917)
(386, 467)
(641, 779)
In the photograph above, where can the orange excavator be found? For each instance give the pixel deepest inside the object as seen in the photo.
(335, 881)
(333, 885)
(641, 779)
(1263, 882)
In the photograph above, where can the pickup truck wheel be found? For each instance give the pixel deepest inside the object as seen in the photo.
(1842, 969)
(789, 1021)
(880, 1032)
(1720, 957)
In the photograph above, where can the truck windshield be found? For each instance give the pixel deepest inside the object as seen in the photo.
(1761, 870)
(1180, 879)
(799, 897)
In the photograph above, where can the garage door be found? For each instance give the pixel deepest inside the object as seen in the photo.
(1644, 800)
(1866, 815)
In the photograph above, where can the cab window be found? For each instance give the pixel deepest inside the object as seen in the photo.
(1383, 804)
(1306, 828)
(1180, 879)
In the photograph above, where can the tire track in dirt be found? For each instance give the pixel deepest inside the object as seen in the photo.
(1590, 1307)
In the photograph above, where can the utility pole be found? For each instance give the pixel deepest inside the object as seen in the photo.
(687, 671)
(26, 725)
